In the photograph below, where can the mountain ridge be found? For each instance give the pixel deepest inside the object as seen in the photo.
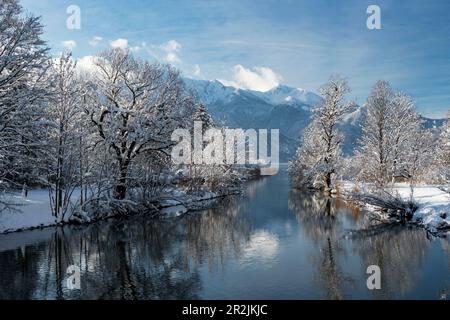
(285, 108)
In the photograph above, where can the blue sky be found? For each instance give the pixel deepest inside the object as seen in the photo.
(257, 44)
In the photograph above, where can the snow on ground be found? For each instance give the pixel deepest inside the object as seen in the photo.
(434, 203)
(31, 212)
(34, 211)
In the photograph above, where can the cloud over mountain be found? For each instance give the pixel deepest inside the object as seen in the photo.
(258, 78)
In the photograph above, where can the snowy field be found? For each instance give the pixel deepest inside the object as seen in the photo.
(434, 204)
(31, 212)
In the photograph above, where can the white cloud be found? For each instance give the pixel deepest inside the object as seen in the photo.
(172, 49)
(69, 44)
(258, 78)
(138, 47)
(172, 58)
(197, 71)
(119, 43)
(171, 46)
(135, 48)
(95, 41)
(168, 51)
(87, 65)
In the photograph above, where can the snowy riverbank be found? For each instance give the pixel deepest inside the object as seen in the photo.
(433, 212)
(34, 211)
(26, 213)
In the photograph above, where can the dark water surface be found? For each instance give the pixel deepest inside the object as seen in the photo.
(271, 243)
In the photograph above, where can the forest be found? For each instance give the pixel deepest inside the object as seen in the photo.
(96, 142)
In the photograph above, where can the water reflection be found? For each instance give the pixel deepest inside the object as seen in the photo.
(398, 251)
(140, 259)
(321, 220)
(244, 245)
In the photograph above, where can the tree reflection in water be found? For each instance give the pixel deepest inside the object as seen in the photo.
(20, 277)
(319, 218)
(137, 259)
(397, 250)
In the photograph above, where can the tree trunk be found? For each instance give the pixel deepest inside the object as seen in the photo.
(328, 182)
(121, 186)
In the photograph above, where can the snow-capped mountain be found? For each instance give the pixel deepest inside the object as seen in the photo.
(287, 95)
(214, 91)
(211, 92)
(285, 108)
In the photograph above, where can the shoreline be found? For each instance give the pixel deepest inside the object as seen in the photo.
(433, 205)
(169, 206)
(158, 215)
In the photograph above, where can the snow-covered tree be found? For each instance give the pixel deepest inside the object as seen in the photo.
(442, 159)
(135, 108)
(317, 160)
(202, 115)
(304, 167)
(213, 174)
(409, 142)
(374, 142)
(394, 143)
(63, 114)
(418, 156)
(23, 57)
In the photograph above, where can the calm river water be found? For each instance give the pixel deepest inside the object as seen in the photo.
(270, 243)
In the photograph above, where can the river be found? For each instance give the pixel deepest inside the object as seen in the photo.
(270, 243)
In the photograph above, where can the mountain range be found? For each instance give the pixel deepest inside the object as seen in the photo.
(285, 108)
